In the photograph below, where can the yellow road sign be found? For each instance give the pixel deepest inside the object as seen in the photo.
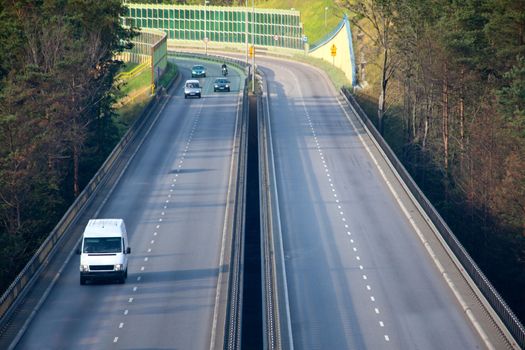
(333, 50)
(252, 51)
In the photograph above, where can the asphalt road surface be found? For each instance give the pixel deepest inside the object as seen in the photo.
(358, 276)
(173, 200)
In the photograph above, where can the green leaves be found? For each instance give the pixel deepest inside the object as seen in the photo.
(512, 99)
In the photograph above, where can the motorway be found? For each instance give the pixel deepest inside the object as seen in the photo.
(173, 198)
(358, 275)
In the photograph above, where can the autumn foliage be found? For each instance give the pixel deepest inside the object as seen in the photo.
(56, 121)
(455, 114)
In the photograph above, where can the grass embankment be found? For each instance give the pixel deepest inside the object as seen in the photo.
(312, 15)
(130, 111)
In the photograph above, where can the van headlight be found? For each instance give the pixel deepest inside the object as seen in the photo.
(118, 267)
(84, 268)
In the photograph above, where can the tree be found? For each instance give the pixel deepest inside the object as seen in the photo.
(378, 26)
(56, 97)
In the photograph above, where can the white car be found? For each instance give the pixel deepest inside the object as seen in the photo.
(192, 88)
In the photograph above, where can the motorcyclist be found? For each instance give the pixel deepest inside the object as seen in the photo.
(224, 69)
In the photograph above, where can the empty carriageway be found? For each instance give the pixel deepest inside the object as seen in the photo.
(355, 272)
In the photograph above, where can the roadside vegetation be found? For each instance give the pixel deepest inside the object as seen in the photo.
(136, 94)
(56, 116)
(445, 83)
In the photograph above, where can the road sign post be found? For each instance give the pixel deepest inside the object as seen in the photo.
(333, 52)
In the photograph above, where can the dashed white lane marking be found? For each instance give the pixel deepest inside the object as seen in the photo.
(121, 325)
(142, 268)
(135, 288)
(130, 300)
(146, 259)
(139, 278)
(152, 241)
(115, 340)
(126, 312)
(339, 207)
(149, 250)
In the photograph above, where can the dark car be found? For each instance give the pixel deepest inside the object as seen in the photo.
(198, 71)
(221, 84)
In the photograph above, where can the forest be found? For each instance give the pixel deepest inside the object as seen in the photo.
(444, 80)
(57, 124)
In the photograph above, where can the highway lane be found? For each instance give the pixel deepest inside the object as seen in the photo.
(173, 200)
(358, 275)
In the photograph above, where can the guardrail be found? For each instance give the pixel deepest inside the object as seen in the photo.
(494, 298)
(134, 72)
(233, 320)
(278, 331)
(25, 279)
(213, 58)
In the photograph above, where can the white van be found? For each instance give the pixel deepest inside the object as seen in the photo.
(104, 251)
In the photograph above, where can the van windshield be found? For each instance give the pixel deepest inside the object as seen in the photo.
(103, 245)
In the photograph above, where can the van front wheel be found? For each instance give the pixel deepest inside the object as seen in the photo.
(122, 278)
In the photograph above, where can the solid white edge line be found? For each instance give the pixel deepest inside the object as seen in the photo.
(224, 229)
(451, 285)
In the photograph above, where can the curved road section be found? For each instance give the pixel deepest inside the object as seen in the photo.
(358, 275)
(173, 198)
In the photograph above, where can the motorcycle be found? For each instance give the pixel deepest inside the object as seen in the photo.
(224, 71)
